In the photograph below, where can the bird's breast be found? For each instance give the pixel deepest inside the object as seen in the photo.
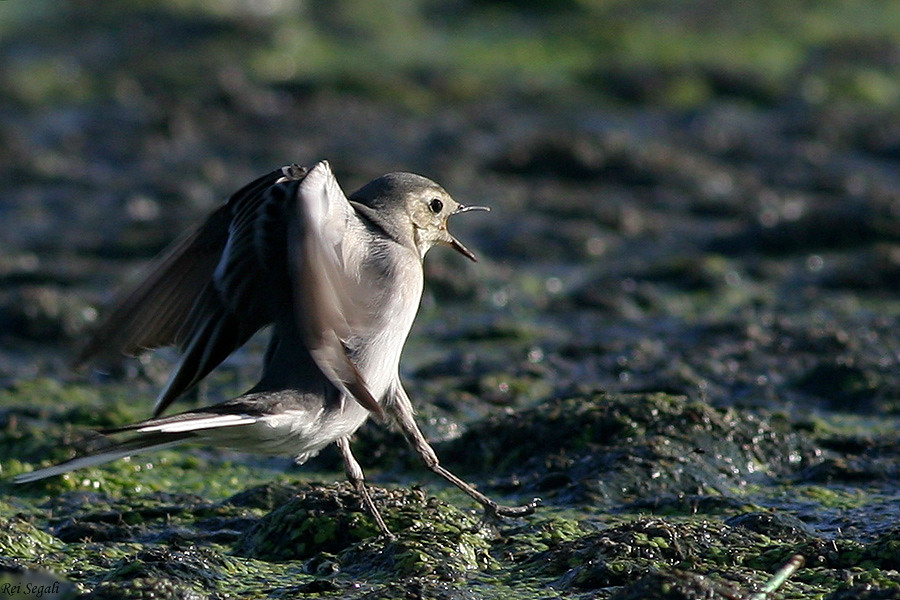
(397, 291)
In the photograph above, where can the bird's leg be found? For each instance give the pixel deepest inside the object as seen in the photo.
(404, 417)
(355, 476)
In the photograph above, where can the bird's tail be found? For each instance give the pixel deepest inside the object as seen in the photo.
(150, 435)
(136, 445)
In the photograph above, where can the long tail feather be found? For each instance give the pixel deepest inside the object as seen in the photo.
(149, 435)
(137, 445)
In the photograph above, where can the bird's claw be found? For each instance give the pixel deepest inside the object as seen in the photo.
(493, 511)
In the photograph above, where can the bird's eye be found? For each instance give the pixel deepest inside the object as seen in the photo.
(436, 205)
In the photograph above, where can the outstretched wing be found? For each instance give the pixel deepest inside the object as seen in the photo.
(328, 297)
(209, 292)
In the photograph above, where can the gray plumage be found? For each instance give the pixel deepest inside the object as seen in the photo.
(340, 282)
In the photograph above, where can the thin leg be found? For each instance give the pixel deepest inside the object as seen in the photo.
(403, 414)
(355, 476)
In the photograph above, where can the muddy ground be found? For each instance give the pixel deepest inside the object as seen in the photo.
(680, 334)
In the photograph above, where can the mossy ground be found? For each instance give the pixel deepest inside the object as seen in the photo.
(642, 492)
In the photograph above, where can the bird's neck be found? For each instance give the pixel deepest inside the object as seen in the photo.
(399, 231)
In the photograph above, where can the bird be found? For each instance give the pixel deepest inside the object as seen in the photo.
(338, 278)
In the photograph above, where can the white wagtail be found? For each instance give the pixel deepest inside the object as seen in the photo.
(339, 279)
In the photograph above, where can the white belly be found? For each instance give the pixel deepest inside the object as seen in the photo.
(298, 433)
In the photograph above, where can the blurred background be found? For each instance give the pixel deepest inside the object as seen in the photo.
(698, 197)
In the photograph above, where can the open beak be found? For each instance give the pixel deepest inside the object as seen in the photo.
(455, 243)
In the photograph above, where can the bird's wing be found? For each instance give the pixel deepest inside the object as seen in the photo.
(208, 293)
(328, 296)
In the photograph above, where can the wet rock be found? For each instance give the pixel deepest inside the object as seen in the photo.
(145, 588)
(688, 504)
(317, 519)
(177, 572)
(840, 383)
(885, 551)
(853, 470)
(326, 528)
(866, 591)
(422, 588)
(676, 586)
(87, 531)
(540, 533)
(775, 525)
(437, 542)
(268, 496)
(625, 553)
(606, 448)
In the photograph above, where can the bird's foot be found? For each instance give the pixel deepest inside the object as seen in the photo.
(493, 511)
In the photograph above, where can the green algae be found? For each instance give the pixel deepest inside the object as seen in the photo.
(831, 497)
(21, 538)
(644, 445)
(195, 524)
(432, 539)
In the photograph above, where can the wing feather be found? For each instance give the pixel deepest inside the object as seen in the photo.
(209, 292)
(151, 314)
(327, 295)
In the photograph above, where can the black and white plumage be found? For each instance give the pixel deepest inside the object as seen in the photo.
(340, 281)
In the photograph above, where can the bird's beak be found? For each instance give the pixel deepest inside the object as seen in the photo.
(455, 243)
(461, 209)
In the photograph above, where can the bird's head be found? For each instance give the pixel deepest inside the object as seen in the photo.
(414, 208)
